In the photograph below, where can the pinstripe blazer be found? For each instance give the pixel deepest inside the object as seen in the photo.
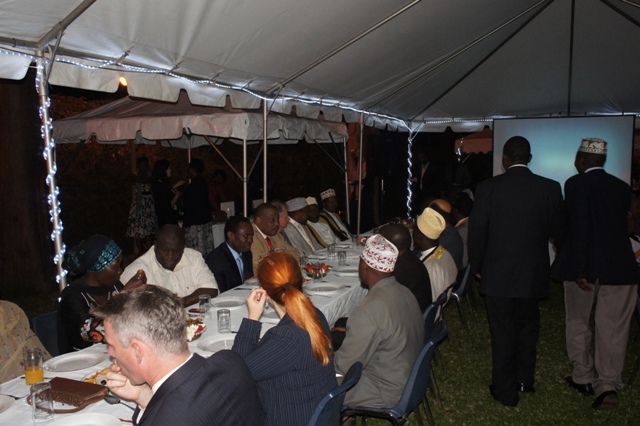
(217, 390)
(290, 380)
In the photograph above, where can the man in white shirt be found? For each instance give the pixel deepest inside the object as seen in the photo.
(145, 330)
(170, 265)
(438, 261)
(297, 231)
(330, 216)
(320, 230)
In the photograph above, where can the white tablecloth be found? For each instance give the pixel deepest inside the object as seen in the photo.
(332, 306)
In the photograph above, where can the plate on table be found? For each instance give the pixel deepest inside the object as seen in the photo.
(346, 272)
(88, 419)
(217, 343)
(6, 402)
(229, 302)
(74, 361)
(252, 282)
(323, 289)
(270, 315)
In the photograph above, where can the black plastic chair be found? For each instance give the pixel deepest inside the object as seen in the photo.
(460, 290)
(327, 411)
(46, 328)
(414, 391)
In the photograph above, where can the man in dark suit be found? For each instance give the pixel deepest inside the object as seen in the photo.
(409, 271)
(232, 261)
(514, 216)
(598, 266)
(145, 331)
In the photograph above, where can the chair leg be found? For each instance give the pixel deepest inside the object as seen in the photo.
(473, 313)
(434, 387)
(427, 410)
(463, 318)
(418, 415)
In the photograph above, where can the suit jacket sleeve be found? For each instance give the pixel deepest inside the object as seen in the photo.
(478, 227)
(272, 356)
(577, 205)
(360, 343)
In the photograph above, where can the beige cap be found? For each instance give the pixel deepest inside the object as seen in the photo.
(431, 223)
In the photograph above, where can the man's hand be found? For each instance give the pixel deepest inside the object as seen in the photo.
(120, 385)
(584, 285)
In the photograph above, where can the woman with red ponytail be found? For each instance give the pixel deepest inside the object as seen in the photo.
(293, 362)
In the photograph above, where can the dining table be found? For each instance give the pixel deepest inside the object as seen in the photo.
(335, 294)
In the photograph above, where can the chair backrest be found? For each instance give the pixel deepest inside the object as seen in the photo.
(419, 378)
(462, 285)
(46, 328)
(327, 412)
(432, 314)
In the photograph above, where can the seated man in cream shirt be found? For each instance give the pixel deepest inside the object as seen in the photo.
(170, 265)
(320, 230)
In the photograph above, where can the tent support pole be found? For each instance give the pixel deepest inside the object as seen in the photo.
(49, 156)
(264, 147)
(213, 145)
(359, 189)
(244, 178)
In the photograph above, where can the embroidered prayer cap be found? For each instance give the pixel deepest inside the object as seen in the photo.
(431, 223)
(296, 204)
(380, 254)
(593, 146)
(327, 194)
(311, 200)
(91, 255)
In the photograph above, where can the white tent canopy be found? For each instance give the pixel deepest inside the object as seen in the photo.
(429, 63)
(184, 125)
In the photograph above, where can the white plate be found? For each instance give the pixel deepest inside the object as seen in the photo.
(6, 402)
(87, 419)
(216, 343)
(323, 289)
(229, 302)
(346, 272)
(269, 315)
(253, 282)
(74, 361)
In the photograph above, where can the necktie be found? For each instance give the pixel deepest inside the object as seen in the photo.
(268, 240)
(240, 266)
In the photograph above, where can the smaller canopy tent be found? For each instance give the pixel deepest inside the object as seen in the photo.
(184, 125)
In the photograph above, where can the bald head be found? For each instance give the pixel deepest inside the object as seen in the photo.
(443, 207)
(398, 235)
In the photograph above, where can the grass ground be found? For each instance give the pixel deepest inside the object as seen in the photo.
(464, 371)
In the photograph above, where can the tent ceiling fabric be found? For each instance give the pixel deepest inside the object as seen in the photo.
(438, 63)
(184, 125)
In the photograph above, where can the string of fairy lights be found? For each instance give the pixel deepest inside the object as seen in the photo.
(49, 144)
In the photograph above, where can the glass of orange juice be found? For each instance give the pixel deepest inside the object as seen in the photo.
(32, 359)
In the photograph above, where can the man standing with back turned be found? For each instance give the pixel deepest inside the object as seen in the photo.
(598, 266)
(514, 216)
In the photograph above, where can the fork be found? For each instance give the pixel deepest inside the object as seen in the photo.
(15, 397)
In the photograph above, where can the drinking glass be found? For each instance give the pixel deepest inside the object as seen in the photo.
(41, 402)
(204, 304)
(224, 321)
(342, 258)
(32, 359)
(331, 250)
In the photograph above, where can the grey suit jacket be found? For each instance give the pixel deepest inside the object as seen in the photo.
(385, 332)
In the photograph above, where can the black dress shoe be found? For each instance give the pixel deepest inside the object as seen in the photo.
(506, 400)
(585, 389)
(606, 400)
(524, 387)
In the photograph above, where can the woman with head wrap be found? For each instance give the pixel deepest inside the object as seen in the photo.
(293, 362)
(96, 261)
